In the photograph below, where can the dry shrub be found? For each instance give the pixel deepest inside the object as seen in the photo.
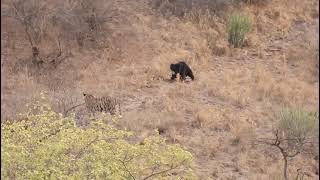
(244, 134)
(256, 2)
(241, 97)
(173, 134)
(203, 119)
(274, 172)
(180, 7)
(203, 18)
(65, 100)
(159, 70)
(219, 50)
(235, 87)
(212, 26)
(171, 105)
(217, 45)
(206, 147)
(242, 159)
(34, 19)
(151, 120)
(84, 21)
(18, 90)
(294, 92)
(264, 82)
(54, 24)
(182, 90)
(304, 58)
(208, 117)
(290, 91)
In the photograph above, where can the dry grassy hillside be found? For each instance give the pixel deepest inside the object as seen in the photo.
(235, 95)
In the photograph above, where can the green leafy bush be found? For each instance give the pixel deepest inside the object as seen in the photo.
(48, 146)
(238, 27)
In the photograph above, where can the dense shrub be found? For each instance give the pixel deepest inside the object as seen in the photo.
(238, 27)
(48, 146)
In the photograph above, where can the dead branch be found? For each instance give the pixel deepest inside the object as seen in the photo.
(285, 151)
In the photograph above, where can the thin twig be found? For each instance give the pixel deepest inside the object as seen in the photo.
(73, 107)
(164, 171)
(123, 162)
(85, 147)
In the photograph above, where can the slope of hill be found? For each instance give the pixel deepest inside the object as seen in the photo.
(232, 101)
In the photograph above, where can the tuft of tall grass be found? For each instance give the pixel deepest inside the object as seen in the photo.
(298, 123)
(238, 27)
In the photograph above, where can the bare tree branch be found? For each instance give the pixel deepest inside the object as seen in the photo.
(73, 107)
(123, 162)
(163, 171)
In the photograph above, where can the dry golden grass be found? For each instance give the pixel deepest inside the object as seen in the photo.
(204, 118)
(264, 82)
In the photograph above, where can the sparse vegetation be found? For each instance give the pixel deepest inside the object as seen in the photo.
(297, 125)
(238, 27)
(84, 22)
(294, 135)
(35, 16)
(57, 25)
(181, 8)
(124, 49)
(256, 2)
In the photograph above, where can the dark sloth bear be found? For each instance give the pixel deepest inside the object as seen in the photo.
(183, 69)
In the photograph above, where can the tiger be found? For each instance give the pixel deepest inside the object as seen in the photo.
(104, 104)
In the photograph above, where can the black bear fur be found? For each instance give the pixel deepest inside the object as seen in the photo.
(183, 69)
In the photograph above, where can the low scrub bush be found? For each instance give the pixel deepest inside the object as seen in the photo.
(298, 124)
(180, 8)
(256, 2)
(296, 133)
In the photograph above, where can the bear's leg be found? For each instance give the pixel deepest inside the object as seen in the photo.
(174, 76)
(183, 74)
